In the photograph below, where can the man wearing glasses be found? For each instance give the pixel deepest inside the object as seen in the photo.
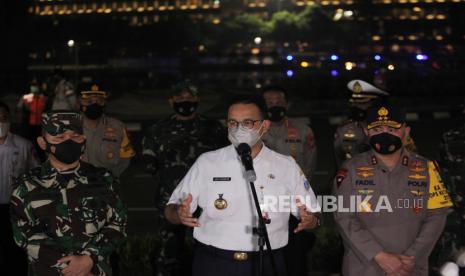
(225, 243)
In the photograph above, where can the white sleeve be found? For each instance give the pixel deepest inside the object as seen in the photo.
(300, 188)
(190, 184)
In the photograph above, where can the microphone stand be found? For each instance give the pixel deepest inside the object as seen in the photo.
(244, 152)
(262, 233)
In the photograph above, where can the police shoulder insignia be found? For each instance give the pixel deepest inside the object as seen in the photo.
(340, 176)
(405, 161)
(374, 161)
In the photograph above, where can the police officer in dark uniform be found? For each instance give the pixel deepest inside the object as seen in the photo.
(170, 147)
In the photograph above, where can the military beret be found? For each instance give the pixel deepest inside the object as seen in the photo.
(56, 122)
(385, 115)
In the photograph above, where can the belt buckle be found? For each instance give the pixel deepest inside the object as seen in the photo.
(240, 256)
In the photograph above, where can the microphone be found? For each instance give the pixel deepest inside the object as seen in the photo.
(244, 152)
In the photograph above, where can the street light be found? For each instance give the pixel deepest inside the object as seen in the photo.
(70, 43)
(258, 40)
(74, 47)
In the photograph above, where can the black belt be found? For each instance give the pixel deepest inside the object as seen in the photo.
(239, 256)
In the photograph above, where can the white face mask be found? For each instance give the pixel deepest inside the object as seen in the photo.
(243, 135)
(4, 129)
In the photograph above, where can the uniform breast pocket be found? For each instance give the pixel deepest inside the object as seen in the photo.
(45, 211)
(110, 148)
(414, 201)
(92, 212)
(221, 201)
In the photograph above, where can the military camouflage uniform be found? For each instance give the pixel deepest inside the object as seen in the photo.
(69, 213)
(453, 167)
(173, 146)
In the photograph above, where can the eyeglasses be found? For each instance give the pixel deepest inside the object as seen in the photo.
(247, 123)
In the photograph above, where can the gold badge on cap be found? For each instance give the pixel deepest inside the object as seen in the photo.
(383, 111)
(357, 88)
(221, 203)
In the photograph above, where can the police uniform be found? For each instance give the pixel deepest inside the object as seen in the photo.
(108, 145)
(349, 137)
(17, 156)
(226, 243)
(171, 147)
(72, 212)
(418, 204)
(295, 138)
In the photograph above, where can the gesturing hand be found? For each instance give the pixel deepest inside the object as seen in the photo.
(307, 219)
(184, 213)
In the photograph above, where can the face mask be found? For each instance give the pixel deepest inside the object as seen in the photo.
(93, 111)
(276, 113)
(243, 135)
(185, 108)
(385, 143)
(358, 114)
(66, 152)
(4, 129)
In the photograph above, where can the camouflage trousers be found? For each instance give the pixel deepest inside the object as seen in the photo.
(173, 256)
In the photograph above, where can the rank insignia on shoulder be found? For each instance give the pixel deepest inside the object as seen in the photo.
(405, 161)
(417, 176)
(374, 161)
(340, 176)
(365, 174)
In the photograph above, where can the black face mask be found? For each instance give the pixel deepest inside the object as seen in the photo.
(93, 111)
(185, 108)
(66, 152)
(276, 113)
(385, 143)
(358, 114)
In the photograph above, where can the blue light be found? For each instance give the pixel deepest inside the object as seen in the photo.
(290, 58)
(334, 73)
(290, 73)
(421, 57)
(334, 57)
(377, 57)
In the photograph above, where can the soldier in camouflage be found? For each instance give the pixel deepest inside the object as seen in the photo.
(452, 160)
(65, 214)
(169, 148)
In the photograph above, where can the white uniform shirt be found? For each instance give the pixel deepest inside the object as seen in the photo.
(17, 156)
(220, 172)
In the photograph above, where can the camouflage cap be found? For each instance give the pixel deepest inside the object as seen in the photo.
(187, 86)
(56, 122)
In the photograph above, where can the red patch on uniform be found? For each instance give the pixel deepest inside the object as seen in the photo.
(340, 176)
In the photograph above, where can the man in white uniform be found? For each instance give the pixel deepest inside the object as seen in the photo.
(226, 244)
